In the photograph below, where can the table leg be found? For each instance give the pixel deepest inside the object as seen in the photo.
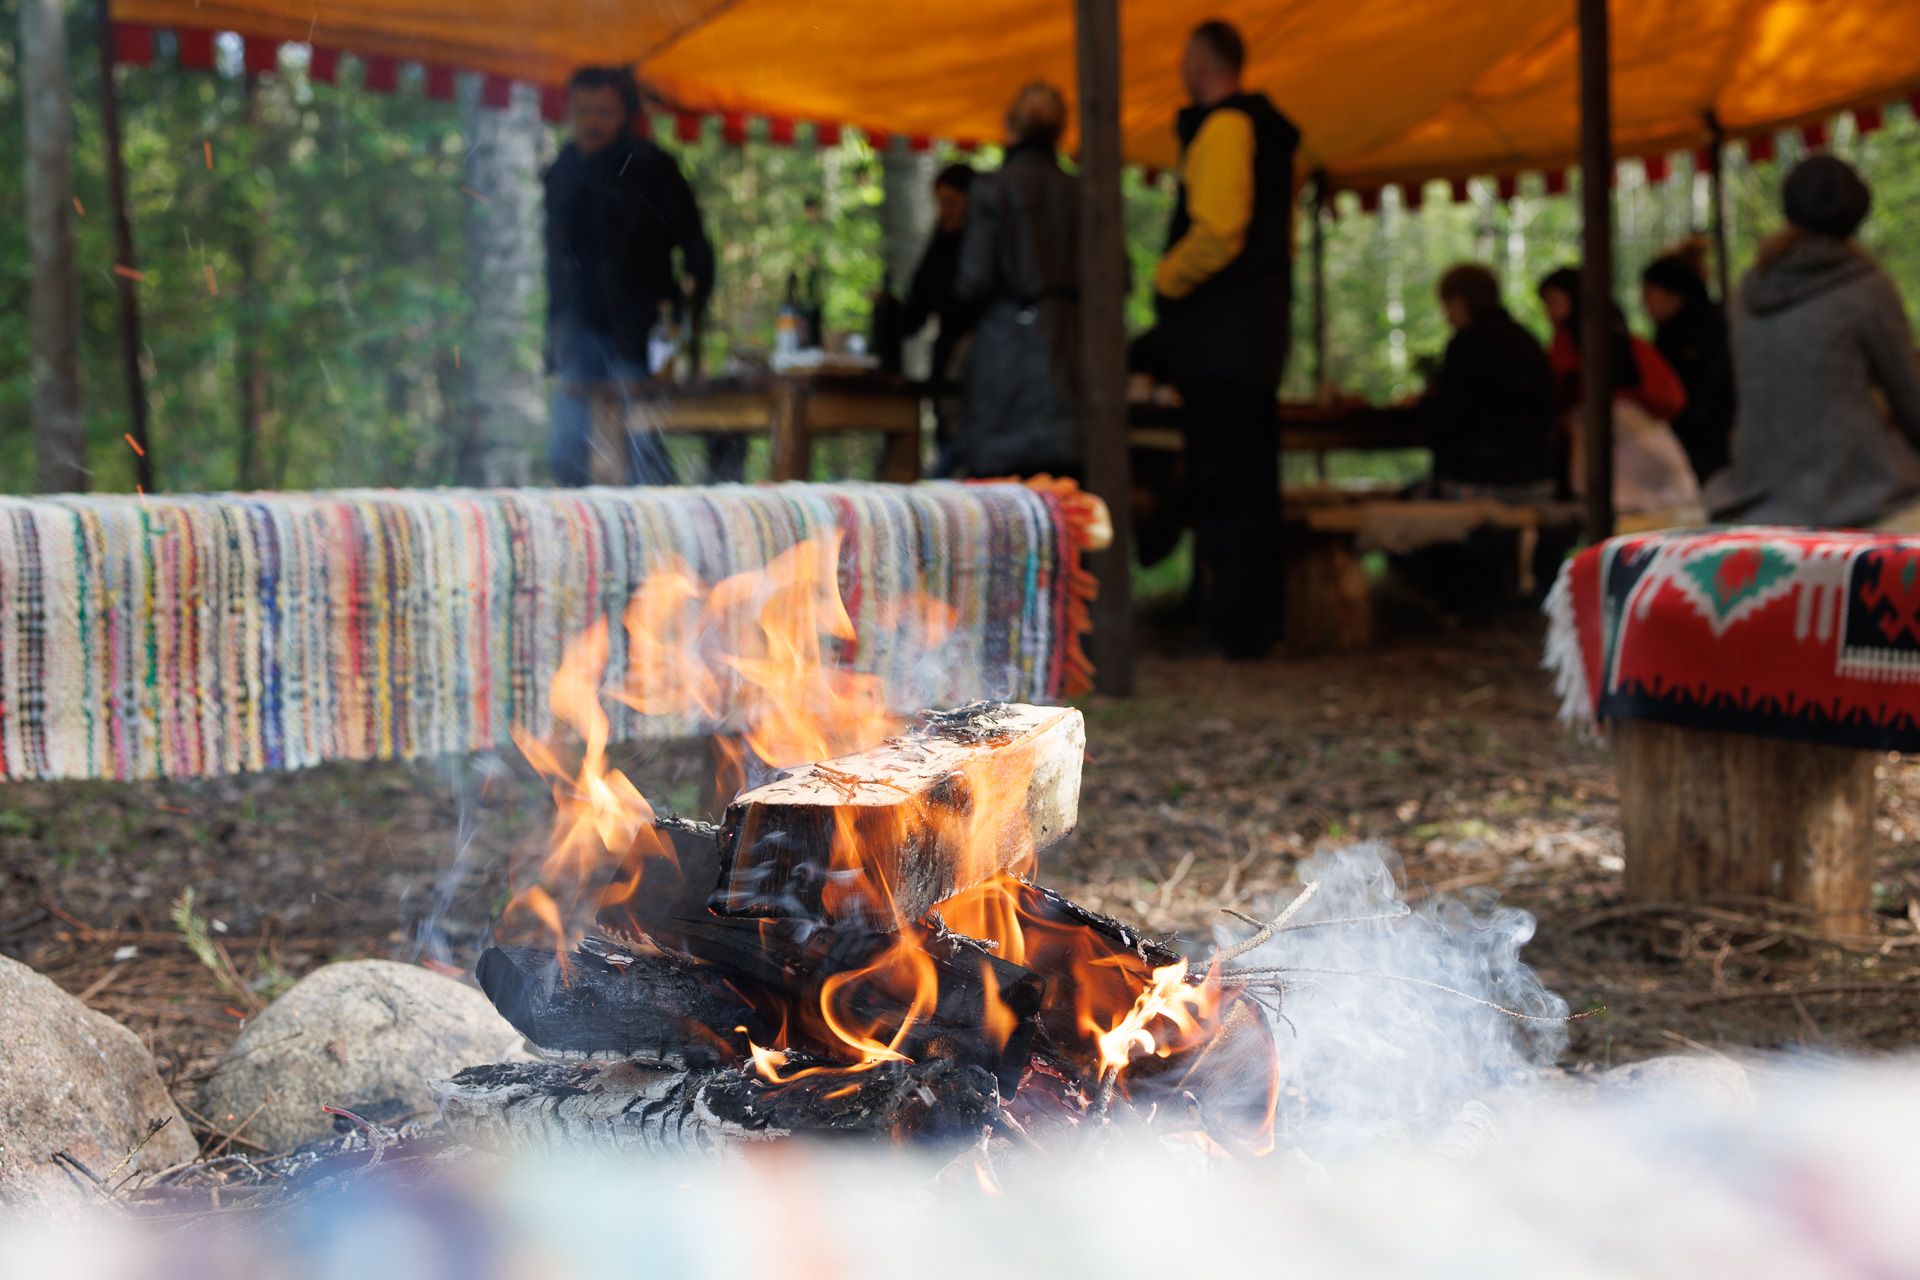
(792, 448)
(900, 463)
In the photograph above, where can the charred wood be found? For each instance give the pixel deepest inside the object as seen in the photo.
(608, 1002)
(632, 1108)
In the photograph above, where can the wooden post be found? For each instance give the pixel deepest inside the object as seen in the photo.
(1717, 212)
(1706, 814)
(1103, 327)
(792, 446)
(53, 315)
(1319, 243)
(1596, 284)
(123, 252)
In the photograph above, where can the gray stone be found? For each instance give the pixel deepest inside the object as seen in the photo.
(352, 1035)
(1683, 1082)
(74, 1080)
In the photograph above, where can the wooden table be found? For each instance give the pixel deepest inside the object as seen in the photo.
(791, 408)
(1304, 427)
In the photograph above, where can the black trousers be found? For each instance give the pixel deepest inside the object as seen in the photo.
(1233, 481)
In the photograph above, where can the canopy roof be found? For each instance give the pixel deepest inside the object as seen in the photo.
(1384, 90)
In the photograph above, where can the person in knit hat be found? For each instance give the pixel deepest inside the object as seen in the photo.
(1827, 429)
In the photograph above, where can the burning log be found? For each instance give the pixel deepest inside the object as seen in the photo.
(881, 836)
(607, 1002)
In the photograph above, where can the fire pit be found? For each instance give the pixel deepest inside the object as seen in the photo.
(858, 947)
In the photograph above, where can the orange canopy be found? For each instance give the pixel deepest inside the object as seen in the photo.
(1384, 90)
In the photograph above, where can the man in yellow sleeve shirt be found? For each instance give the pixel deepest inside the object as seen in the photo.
(1224, 295)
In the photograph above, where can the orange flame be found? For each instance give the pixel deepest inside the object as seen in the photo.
(1189, 1007)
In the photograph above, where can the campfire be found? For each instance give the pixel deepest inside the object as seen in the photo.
(860, 946)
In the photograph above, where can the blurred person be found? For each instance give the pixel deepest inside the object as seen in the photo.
(934, 295)
(1653, 482)
(1691, 334)
(1223, 293)
(1020, 265)
(617, 207)
(1489, 412)
(1828, 385)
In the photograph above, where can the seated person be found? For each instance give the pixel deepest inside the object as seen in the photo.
(1490, 416)
(1828, 414)
(1490, 410)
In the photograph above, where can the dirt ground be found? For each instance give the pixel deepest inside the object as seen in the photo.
(1202, 792)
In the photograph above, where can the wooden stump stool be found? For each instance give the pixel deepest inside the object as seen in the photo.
(1706, 813)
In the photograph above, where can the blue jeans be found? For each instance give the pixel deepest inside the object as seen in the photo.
(583, 359)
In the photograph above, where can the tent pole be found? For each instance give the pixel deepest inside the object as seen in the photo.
(1596, 285)
(1319, 243)
(123, 252)
(1717, 215)
(1103, 329)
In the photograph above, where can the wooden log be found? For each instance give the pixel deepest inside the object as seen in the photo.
(879, 837)
(633, 1108)
(1329, 601)
(1705, 813)
(608, 1002)
(622, 1107)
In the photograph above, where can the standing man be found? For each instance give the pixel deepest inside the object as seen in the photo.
(1224, 291)
(617, 208)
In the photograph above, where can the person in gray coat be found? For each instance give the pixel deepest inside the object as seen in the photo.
(1818, 329)
(1020, 261)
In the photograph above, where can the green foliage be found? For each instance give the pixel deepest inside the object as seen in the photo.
(1381, 269)
(331, 224)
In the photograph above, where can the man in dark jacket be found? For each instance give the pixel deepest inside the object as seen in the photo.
(1020, 262)
(1224, 291)
(934, 295)
(617, 207)
(1490, 410)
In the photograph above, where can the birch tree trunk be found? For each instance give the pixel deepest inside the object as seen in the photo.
(506, 415)
(906, 220)
(59, 431)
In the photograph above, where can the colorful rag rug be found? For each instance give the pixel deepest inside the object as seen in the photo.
(1806, 634)
(202, 635)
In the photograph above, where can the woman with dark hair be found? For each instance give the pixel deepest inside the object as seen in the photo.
(1653, 483)
(1691, 332)
(1818, 334)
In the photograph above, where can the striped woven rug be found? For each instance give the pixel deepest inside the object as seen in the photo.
(201, 635)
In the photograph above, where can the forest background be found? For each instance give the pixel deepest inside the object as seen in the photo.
(304, 248)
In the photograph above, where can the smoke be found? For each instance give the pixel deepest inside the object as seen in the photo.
(1817, 1180)
(1386, 1029)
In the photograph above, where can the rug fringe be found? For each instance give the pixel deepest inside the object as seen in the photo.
(1565, 659)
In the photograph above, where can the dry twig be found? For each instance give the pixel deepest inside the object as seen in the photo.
(1267, 931)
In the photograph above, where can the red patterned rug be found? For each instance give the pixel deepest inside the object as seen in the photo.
(1790, 633)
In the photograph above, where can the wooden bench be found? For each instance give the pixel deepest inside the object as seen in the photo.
(1329, 600)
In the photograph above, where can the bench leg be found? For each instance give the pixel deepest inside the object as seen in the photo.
(1329, 601)
(1706, 813)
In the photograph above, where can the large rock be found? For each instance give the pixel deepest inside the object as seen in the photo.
(74, 1080)
(352, 1035)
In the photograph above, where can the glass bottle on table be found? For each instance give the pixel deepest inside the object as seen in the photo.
(788, 325)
